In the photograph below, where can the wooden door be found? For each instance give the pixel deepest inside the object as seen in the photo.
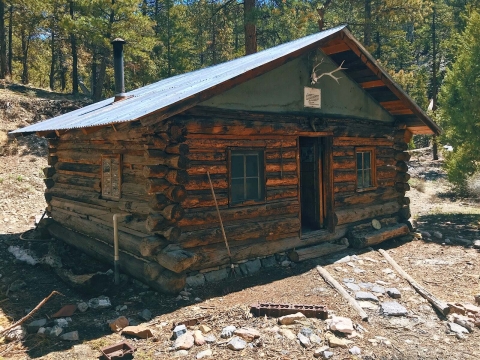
(311, 184)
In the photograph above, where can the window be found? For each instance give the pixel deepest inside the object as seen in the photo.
(247, 181)
(365, 168)
(111, 177)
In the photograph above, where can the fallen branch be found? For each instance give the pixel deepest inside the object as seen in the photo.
(437, 304)
(30, 314)
(334, 283)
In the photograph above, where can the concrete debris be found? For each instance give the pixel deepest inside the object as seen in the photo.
(355, 350)
(438, 234)
(22, 255)
(82, 307)
(184, 341)
(377, 289)
(352, 286)
(290, 319)
(348, 280)
(139, 331)
(53, 331)
(476, 244)
(227, 332)
(247, 334)
(365, 296)
(204, 329)
(35, 325)
(306, 331)
(315, 339)
(180, 353)
(394, 293)
(341, 324)
(102, 302)
(119, 324)
(287, 333)
(465, 321)
(366, 285)
(457, 329)
(63, 323)
(236, 344)
(178, 331)
(393, 308)
(304, 341)
(367, 305)
(210, 339)
(319, 352)
(334, 341)
(145, 315)
(17, 333)
(204, 354)
(70, 336)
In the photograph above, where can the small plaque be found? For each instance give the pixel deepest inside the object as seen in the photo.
(312, 98)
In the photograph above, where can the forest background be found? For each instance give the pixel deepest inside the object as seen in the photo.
(65, 45)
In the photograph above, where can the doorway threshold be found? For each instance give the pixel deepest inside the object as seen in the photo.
(315, 234)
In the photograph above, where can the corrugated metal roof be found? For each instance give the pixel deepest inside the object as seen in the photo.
(170, 91)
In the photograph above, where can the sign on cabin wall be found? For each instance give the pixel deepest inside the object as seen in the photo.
(312, 98)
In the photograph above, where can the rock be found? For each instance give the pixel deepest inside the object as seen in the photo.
(387, 271)
(217, 275)
(253, 266)
(458, 329)
(63, 323)
(355, 350)
(102, 302)
(210, 339)
(41, 331)
(378, 289)
(53, 331)
(145, 315)
(119, 323)
(17, 333)
(463, 242)
(366, 285)
(306, 331)
(197, 299)
(285, 263)
(268, 262)
(367, 305)
(197, 280)
(344, 241)
(319, 352)
(184, 293)
(180, 353)
(290, 319)
(334, 341)
(236, 344)
(247, 333)
(358, 270)
(394, 293)
(178, 331)
(227, 332)
(304, 341)
(121, 307)
(438, 234)
(139, 331)
(204, 329)
(348, 280)
(365, 296)
(477, 299)
(17, 285)
(327, 354)
(462, 320)
(184, 341)
(33, 327)
(70, 336)
(198, 338)
(342, 260)
(315, 339)
(476, 244)
(287, 333)
(82, 307)
(447, 241)
(352, 286)
(393, 308)
(471, 308)
(341, 324)
(425, 234)
(204, 354)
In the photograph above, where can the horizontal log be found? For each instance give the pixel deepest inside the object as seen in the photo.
(363, 239)
(156, 222)
(202, 198)
(402, 187)
(93, 183)
(200, 182)
(401, 166)
(177, 149)
(103, 145)
(404, 200)
(175, 193)
(283, 153)
(78, 168)
(172, 213)
(402, 156)
(127, 131)
(49, 183)
(343, 151)
(177, 177)
(280, 193)
(171, 234)
(206, 155)
(150, 245)
(316, 251)
(145, 271)
(358, 141)
(340, 187)
(157, 171)
(224, 143)
(212, 168)
(364, 198)
(288, 179)
(357, 213)
(343, 175)
(285, 166)
(386, 172)
(158, 202)
(346, 162)
(172, 161)
(176, 259)
(260, 228)
(177, 133)
(48, 171)
(52, 160)
(400, 146)
(156, 142)
(402, 177)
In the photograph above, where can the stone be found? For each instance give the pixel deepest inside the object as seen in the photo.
(327, 354)
(41, 331)
(102, 302)
(366, 285)
(365, 296)
(341, 324)
(17, 333)
(458, 329)
(268, 262)
(304, 341)
(82, 307)
(227, 332)
(138, 331)
(315, 339)
(145, 315)
(197, 280)
(348, 280)
(393, 308)
(63, 323)
(471, 308)
(253, 266)
(306, 331)
(476, 244)
(477, 299)
(210, 339)
(387, 271)
(204, 354)
(285, 263)
(119, 324)
(17, 285)
(290, 319)
(197, 299)
(394, 293)
(334, 341)
(178, 331)
(184, 341)
(425, 234)
(217, 275)
(355, 350)
(204, 329)
(358, 270)
(287, 333)
(180, 353)
(198, 338)
(463, 242)
(53, 331)
(352, 286)
(248, 334)
(342, 260)
(344, 241)
(236, 344)
(367, 305)
(438, 234)
(377, 289)
(33, 327)
(319, 352)
(70, 336)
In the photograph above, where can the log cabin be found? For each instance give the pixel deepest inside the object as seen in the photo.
(303, 144)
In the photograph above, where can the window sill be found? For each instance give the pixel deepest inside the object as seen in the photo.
(248, 203)
(368, 189)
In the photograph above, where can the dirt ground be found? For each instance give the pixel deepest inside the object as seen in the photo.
(448, 269)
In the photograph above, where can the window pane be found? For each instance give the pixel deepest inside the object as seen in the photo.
(252, 189)
(359, 179)
(252, 165)
(367, 179)
(237, 190)
(237, 166)
(359, 161)
(366, 160)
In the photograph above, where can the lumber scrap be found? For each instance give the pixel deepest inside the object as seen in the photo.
(360, 239)
(315, 251)
(334, 283)
(176, 259)
(437, 304)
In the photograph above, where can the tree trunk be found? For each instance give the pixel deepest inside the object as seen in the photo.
(93, 84)
(25, 45)
(52, 63)
(367, 31)
(73, 44)
(250, 28)
(97, 90)
(321, 14)
(10, 35)
(3, 45)
(63, 69)
(434, 77)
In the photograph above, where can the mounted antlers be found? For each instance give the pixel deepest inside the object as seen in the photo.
(315, 78)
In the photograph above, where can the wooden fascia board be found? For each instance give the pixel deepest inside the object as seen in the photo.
(372, 64)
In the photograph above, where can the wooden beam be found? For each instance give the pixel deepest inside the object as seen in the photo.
(334, 49)
(92, 129)
(401, 112)
(372, 84)
(393, 105)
